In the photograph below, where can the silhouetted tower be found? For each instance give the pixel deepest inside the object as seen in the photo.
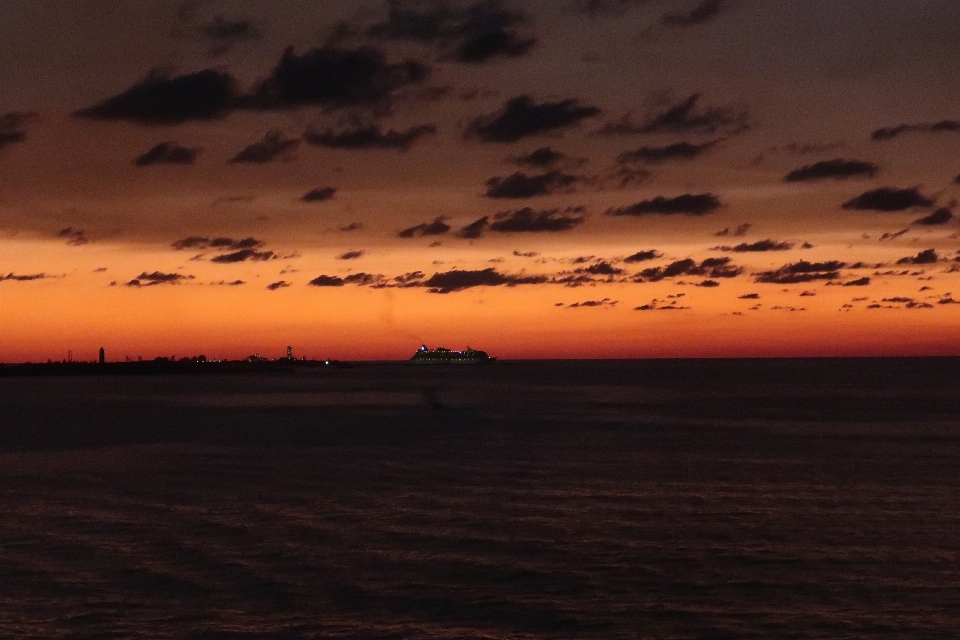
(102, 358)
(289, 352)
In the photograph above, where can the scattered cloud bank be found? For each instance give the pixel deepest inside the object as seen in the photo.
(709, 268)
(320, 194)
(802, 271)
(889, 133)
(927, 256)
(526, 220)
(547, 158)
(760, 245)
(13, 127)
(167, 153)
(706, 11)
(244, 255)
(273, 147)
(220, 242)
(521, 117)
(520, 185)
(474, 34)
(889, 199)
(837, 169)
(24, 277)
(687, 204)
(331, 77)
(157, 278)
(435, 228)
(938, 217)
(368, 137)
(682, 117)
(74, 237)
(643, 256)
(586, 304)
(676, 151)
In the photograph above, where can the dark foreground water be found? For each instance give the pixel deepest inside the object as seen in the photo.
(722, 499)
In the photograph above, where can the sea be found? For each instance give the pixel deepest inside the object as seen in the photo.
(662, 499)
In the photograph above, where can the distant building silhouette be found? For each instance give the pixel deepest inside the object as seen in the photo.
(289, 352)
(102, 356)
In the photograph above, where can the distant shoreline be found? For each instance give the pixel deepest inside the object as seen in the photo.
(163, 366)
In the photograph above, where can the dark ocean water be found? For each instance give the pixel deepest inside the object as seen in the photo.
(717, 499)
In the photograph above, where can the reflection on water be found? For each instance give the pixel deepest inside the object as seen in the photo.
(564, 500)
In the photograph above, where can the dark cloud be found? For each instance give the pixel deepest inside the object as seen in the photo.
(353, 226)
(547, 158)
(940, 216)
(682, 117)
(760, 245)
(13, 127)
(643, 256)
(655, 305)
(363, 279)
(892, 235)
(601, 268)
(350, 255)
(709, 284)
(167, 153)
(327, 281)
(606, 302)
(74, 237)
(888, 133)
(596, 8)
(836, 168)
(802, 271)
(232, 283)
(157, 277)
(280, 284)
(496, 42)
(320, 194)
(619, 177)
(368, 137)
(475, 229)
(162, 100)
(677, 151)
(741, 230)
(410, 279)
(750, 296)
(224, 33)
(703, 12)
(859, 282)
(806, 148)
(329, 76)
(221, 242)
(956, 180)
(272, 147)
(528, 220)
(948, 300)
(928, 256)
(520, 185)
(687, 204)
(335, 77)
(24, 278)
(474, 34)
(521, 117)
(889, 199)
(525, 254)
(244, 255)
(711, 268)
(458, 280)
(435, 228)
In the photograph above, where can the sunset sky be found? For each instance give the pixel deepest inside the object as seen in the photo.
(539, 179)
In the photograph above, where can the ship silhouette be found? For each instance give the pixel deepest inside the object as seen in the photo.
(441, 355)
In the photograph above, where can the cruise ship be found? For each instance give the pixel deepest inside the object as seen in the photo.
(441, 355)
